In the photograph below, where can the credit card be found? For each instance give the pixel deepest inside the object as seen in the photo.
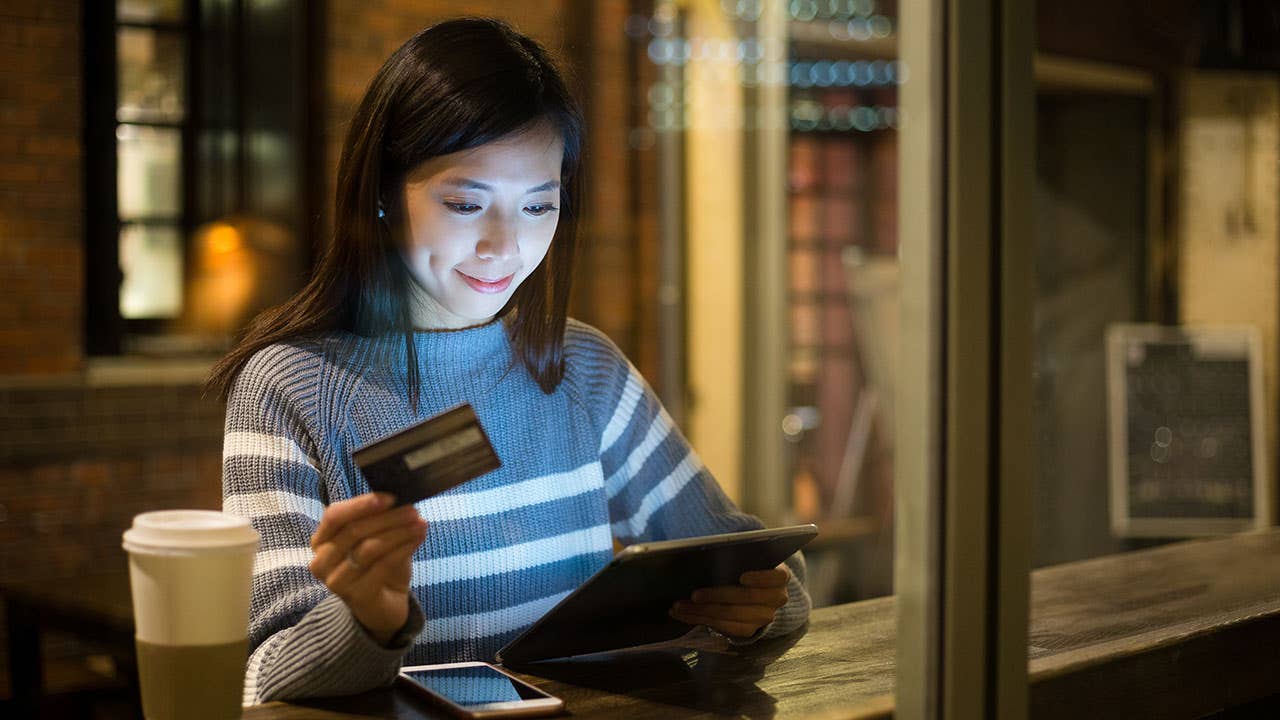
(428, 458)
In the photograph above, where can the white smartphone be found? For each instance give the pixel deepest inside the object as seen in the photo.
(479, 690)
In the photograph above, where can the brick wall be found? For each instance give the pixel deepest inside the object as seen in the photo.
(40, 194)
(73, 464)
(77, 460)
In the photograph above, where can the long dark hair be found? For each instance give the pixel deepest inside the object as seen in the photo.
(453, 86)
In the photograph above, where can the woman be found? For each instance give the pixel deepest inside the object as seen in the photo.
(447, 281)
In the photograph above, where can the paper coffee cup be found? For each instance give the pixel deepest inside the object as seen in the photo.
(191, 573)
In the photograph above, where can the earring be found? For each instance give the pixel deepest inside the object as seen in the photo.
(381, 213)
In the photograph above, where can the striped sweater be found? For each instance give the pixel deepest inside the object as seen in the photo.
(597, 459)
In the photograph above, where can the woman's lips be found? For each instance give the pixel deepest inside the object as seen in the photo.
(487, 286)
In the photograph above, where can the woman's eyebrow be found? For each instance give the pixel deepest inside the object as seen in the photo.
(548, 185)
(469, 184)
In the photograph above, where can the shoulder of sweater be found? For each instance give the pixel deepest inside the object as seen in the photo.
(285, 367)
(594, 366)
(584, 342)
(282, 357)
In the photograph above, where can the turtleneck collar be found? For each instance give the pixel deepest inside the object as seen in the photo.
(462, 349)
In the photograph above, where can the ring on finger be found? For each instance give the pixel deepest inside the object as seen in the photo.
(351, 560)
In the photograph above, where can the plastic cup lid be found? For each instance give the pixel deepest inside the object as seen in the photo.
(189, 529)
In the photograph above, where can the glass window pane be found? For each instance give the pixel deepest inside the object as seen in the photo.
(1157, 284)
(151, 262)
(151, 70)
(841, 77)
(1156, 257)
(809, 89)
(799, 99)
(149, 172)
(149, 10)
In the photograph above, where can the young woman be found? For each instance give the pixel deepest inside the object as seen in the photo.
(447, 281)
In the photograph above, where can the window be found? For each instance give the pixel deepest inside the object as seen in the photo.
(196, 187)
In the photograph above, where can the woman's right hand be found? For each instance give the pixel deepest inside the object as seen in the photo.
(364, 555)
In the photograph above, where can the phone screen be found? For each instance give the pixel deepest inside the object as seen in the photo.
(474, 685)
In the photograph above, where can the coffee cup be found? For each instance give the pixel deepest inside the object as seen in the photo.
(191, 572)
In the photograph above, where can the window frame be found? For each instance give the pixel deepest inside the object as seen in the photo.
(105, 330)
(221, 41)
(962, 498)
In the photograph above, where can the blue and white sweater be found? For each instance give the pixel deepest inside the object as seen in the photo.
(595, 460)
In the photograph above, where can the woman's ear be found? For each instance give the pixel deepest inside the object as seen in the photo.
(384, 209)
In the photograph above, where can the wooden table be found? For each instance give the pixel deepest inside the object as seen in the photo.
(801, 676)
(1174, 632)
(1177, 631)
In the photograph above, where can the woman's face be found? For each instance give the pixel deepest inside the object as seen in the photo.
(478, 223)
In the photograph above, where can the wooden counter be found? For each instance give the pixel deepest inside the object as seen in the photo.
(1178, 631)
(800, 677)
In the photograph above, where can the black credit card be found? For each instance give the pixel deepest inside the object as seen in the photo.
(428, 458)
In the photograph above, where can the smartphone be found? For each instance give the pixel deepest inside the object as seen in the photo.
(479, 690)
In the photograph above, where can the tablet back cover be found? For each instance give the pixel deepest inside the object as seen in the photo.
(626, 603)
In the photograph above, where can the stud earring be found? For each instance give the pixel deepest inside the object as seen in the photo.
(381, 213)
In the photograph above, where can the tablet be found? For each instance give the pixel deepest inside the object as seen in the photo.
(626, 603)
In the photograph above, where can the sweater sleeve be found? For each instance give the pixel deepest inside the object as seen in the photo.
(658, 488)
(303, 640)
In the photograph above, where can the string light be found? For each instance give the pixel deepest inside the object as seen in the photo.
(750, 10)
(842, 73)
(860, 29)
(661, 27)
(808, 115)
(661, 95)
(839, 30)
(807, 10)
(846, 19)
(744, 58)
(803, 10)
(881, 26)
(637, 26)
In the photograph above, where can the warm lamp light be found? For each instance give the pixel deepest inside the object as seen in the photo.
(238, 262)
(221, 238)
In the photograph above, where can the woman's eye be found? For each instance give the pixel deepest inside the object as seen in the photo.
(540, 209)
(463, 208)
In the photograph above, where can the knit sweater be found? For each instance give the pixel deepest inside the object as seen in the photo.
(595, 460)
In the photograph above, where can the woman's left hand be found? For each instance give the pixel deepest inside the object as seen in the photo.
(737, 610)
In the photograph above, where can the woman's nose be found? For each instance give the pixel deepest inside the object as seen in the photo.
(501, 241)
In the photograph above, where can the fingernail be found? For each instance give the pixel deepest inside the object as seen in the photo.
(699, 596)
(383, 499)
